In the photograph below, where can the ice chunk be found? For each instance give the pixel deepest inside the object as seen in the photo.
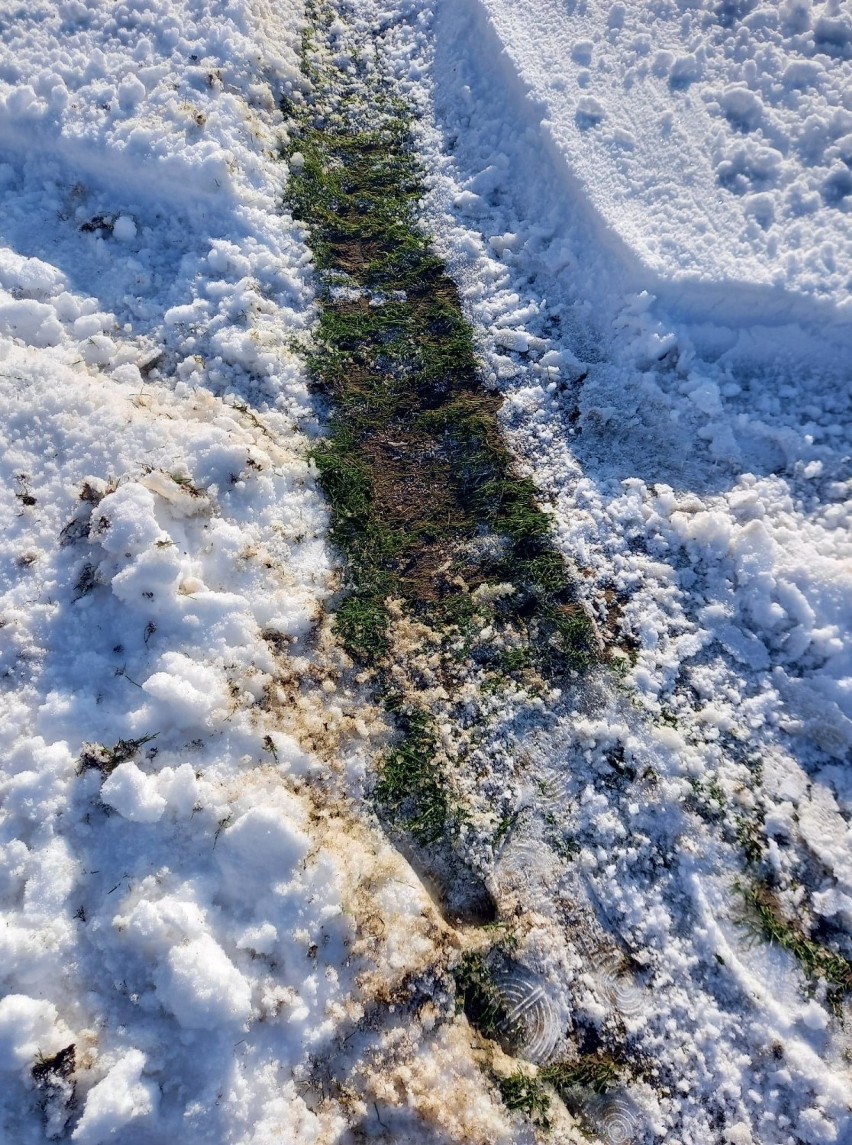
(118, 1099)
(260, 939)
(826, 832)
(124, 228)
(685, 70)
(133, 794)
(814, 1016)
(29, 276)
(98, 350)
(705, 395)
(33, 322)
(741, 107)
(815, 1128)
(743, 645)
(589, 111)
(179, 788)
(202, 987)
(833, 903)
(27, 1025)
(817, 716)
(517, 340)
(124, 521)
(263, 846)
(189, 692)
(755, 552)
(130, 91)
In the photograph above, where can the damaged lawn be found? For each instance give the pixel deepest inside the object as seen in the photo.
(435, 521)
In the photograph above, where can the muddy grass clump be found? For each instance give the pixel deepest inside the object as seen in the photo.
(575, 1080)
(98, 757)
(56, 1089)
(523, 1093)
(478, 995)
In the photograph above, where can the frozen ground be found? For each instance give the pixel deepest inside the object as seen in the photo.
(646, 207)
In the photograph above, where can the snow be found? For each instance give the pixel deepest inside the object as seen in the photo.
(133, 794)
(116, 1100)
(646, 209)
(26, 1025)
(711, 138)
(202, 987)
(694, 449)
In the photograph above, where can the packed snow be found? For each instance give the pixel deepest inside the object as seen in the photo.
(647, 210)
(712, 138)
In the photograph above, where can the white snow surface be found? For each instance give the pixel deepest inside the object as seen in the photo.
(712, 137)
(646, 207)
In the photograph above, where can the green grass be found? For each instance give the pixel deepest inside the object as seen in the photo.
(361, 624)
(597, 1073)
(574, 1081)
(515, 660)
(478, 996)
(762, 913)
(347, 483)
(413, 463)
(411, 787)
(414, 458)
(751, 838)
(525, 1094)
(708, 799)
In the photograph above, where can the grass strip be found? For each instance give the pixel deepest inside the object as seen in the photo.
(427, 503)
